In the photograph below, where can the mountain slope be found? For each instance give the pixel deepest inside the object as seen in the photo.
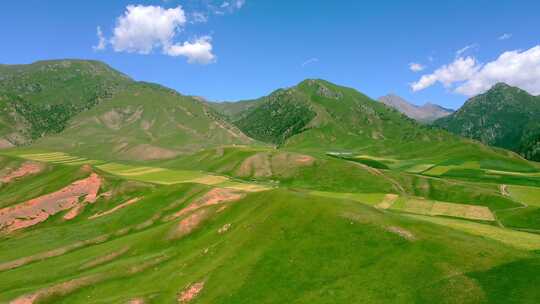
(145, 121)
(426, 113)
(40, 98)
(88, 108)
(504, 116)
(322, 117)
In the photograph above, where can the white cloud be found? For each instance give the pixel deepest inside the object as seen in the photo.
(310, 61)
(197, 51)
(229, 6)
(416, 67)
(521, 69)
(516, 68)
(459, 70)
(465, 49)
(143, 28)
(505, 36)
(198, 17)
(102, 42)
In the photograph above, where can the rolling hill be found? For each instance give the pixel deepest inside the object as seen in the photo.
(504, 116)
(426, 113)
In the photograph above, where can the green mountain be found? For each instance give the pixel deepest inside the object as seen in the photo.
(150, 196)
(40, 98)
(88, 108)
(320, 116)
(504, 116)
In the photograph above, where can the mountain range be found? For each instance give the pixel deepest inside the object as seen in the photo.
(426, 113)
(119, 191)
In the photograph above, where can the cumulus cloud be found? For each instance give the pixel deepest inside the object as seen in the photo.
(144, 29)
(505, 36)
(469, 77)
(521, 69)
(102, 42)
(197, 51)
(416, 67)
(459, 70)
(310, 61)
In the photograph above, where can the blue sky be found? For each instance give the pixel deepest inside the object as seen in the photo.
(258, 46)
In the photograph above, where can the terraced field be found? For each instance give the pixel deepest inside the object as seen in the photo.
(154, 175)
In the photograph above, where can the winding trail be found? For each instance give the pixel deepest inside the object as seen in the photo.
(503, 188)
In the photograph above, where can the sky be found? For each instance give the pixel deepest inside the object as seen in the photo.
(425, 51)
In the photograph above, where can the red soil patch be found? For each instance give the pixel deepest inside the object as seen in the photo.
(187, 225)
(190, 292)
(304, 159)
(212, 197)
(123, 205)
(39, 209)
(136, 301)
(25, 169)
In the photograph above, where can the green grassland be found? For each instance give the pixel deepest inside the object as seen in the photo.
(336, 198)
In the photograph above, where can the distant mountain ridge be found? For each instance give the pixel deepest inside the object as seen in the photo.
(426, 113)
(504, 116)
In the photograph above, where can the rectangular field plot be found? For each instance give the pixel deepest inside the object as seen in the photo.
(438, 170)
(165, 176)
(525, 195)
(419, 168)
(436, 208)
(517, 239)
(366, 198)
(58, 158)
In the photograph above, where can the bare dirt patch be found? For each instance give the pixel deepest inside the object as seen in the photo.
(123, 205)
(504, 190)
(406, 234)
(388, 201)
(41, 208)
(265, 164)
(149, 152)
(224, 229)
(213, 197)
(27, 168)
(190, 223)
(4, 144)
(190, 292)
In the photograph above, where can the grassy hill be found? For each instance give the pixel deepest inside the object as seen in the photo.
(319, 116)
(504, 116)
(88, 108)
(40, 98)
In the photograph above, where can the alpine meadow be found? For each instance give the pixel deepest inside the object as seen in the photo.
(174, 162)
